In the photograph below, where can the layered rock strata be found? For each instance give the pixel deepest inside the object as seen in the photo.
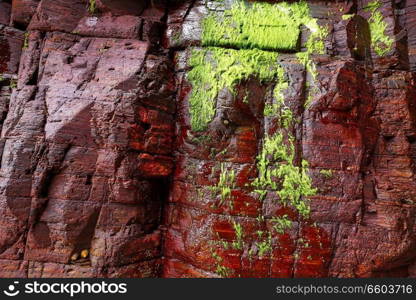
(205, 139)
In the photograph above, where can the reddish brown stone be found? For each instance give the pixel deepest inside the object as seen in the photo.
(23, 10)
(98, 155)
(121, 7)
(58, 15)
(11, 43)
(5, 11)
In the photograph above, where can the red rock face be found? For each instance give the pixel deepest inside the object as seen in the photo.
(102, 176)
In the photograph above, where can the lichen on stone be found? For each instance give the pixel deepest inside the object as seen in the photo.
(261, 25)
(26, 41)
(92, 6)
(238, 244)
(258, 27)
(214, 69)
(281, 224)
(347, 16)
(239, 45)
(326, 173)
(226, 183)
(264, 245)
(278, 174)
(381, 43)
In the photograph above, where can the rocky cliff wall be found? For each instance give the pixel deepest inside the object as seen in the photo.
(207, 138)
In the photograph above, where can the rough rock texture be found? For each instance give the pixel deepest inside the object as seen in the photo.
(102, 175)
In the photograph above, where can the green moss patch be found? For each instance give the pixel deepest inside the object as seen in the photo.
(281, 224)
(92, 6)
(256, 27)
(239, 45)
(326, 173)
(278, 174)
(214, 69)
(260, 25)
(381, 43)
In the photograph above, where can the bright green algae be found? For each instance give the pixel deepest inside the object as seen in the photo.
(257, 29)
(236, 47)
(218, 68)
(381, 43)
(260, 25)
(214, 69)
(279, 174)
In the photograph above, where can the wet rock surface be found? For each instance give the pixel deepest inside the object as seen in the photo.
(102, 174)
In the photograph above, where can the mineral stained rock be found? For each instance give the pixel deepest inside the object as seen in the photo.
(202, 138)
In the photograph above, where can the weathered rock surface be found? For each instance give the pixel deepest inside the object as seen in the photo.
(102, 175)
